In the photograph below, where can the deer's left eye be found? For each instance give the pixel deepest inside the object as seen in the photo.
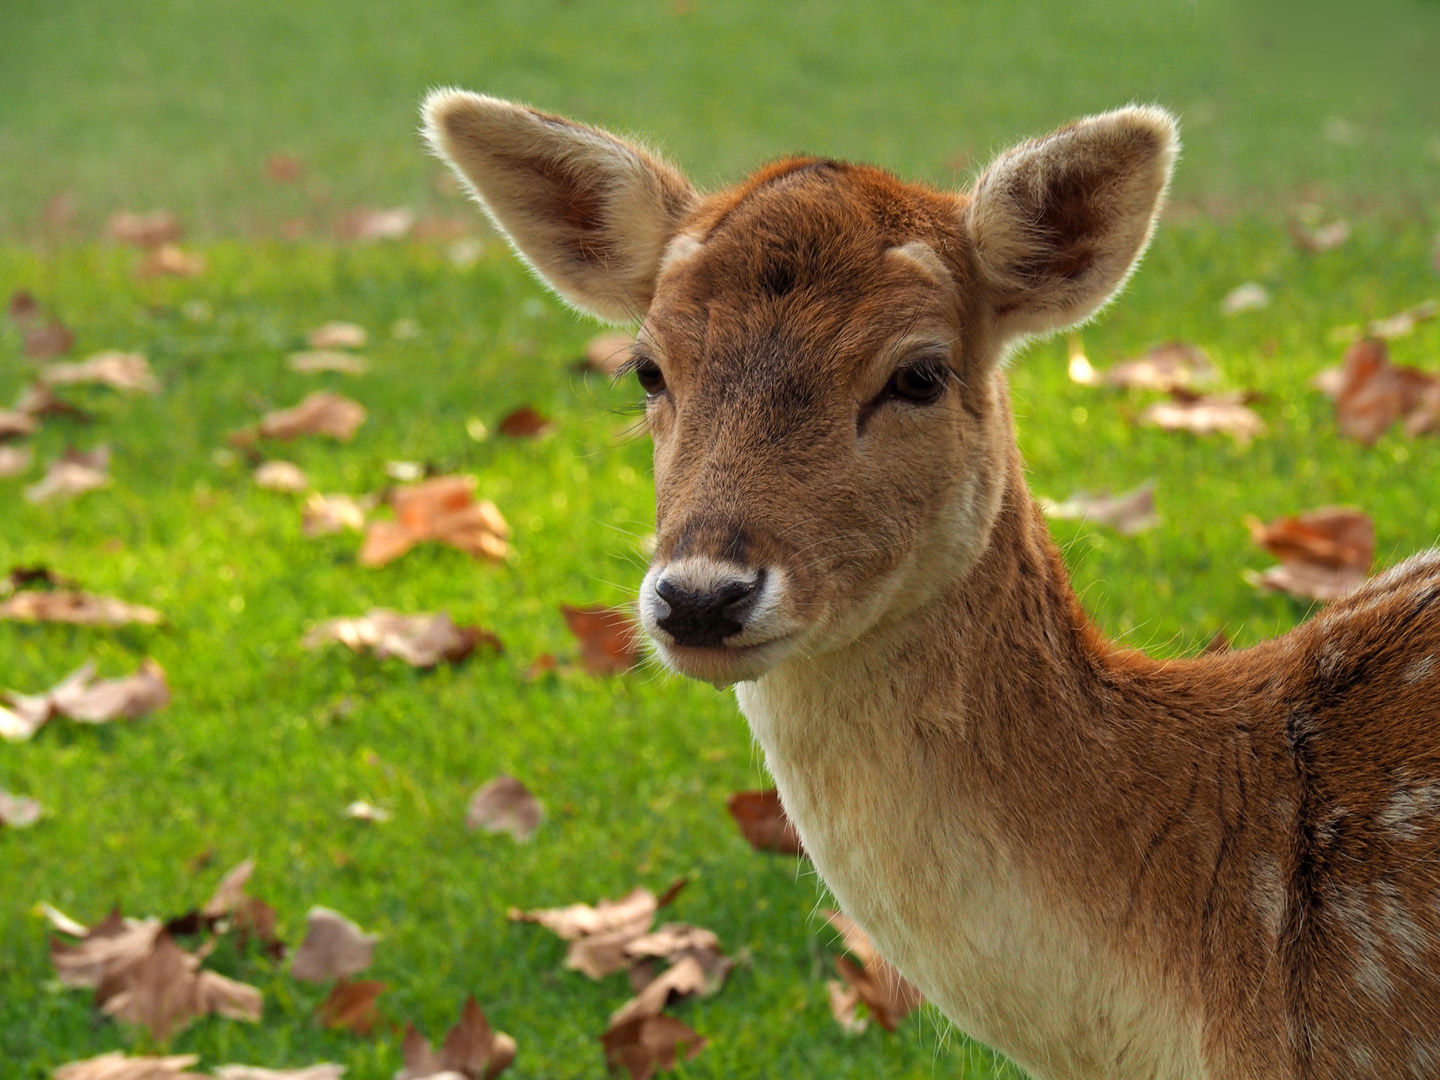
(650, 377)
(921, 383)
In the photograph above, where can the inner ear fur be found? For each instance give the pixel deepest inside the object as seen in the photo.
(591, 213)
(1059, 223)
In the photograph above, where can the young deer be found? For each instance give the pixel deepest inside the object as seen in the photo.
(1103, 865)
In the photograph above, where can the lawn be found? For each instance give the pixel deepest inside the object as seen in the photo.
(265, 743)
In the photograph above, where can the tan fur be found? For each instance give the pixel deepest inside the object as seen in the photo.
(1103, 865)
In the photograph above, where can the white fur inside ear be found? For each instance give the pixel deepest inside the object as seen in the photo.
(590, 212)
(1059, 223)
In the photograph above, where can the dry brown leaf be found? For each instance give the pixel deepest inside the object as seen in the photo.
(607, 353)
(1220, 643)
(108, 947)
(635, 908)
(145, 230)
(18, 811)
(14, 460)
(334, 948)
(323, 1071)
(1403, 323)
(169, 260)
(886, 993)
(1322, 237)
(1371, 393)
(312, 361)
(1248, 297)
(649, 1044)
(78, 698)
(326, 514)
(505, 805)
(856, 941)
(337, 335)
(23, 307)
(763, 822)
(1324, 553)
(523, 423)
(321, 413)
(472, 1050)
(230, 892)
(73, 606)
(118, 370)
(685, 978)
(15, 424)
(441, 510)
(117, 1066)
(609, 639)
(1173, 365)
(350, 1006)
(281, 476)
(419, 640)
(845, 1006)
(51, 338)
(71, 474)
(391, 224)
(38, 400)
(163, 990)
(1130, 513)
(284, 168)
(1206, 414)
(543, 663)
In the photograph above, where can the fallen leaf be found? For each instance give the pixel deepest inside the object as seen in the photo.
(73, 606)
(523, 423)
(1248, 297)
(856, 941)
(1320, 238)
(1371, 393)
(78, 698)
(610, 642)
(364, 811)
(1130, 513)
(685, 978)
(163, 990)
(14, 460)
(169, 260)
(230, 892)
(51, 338)
(283, 168)
(419, 640)
(71, 474)
(18, 811)
(540, 665)
(1323, 553)
(37, 400)
(23, 307)
(16, 424)
(365, 225)
(350, 1006)
(1206, 415)
(1173, 365)
(505, 805)
(312, 361)
(321, 413)
(117, 1066)
(281, 476)
(607, 353)
(326, 514)
(21, 577)
(334, 948)
(649, 1044)
(886, 993)
(117, 370)
(337, 335)
(763, 822)
(1220, 643)
(472, 1050)
(145, 230)
(323, 1071)
(845, 1006)
(440, 510)
(635, 908)
(1403, 323)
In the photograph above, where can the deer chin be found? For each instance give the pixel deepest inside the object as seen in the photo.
(724, 665)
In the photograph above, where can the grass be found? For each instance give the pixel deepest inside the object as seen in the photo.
(265, 743)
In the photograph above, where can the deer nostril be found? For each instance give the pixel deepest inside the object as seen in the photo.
(705, 618)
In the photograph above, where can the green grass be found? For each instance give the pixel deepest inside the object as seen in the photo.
(265, 743)
(179, 102)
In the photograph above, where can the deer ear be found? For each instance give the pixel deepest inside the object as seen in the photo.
(1058, 223)
(589, 212)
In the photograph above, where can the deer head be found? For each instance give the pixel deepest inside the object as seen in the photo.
(821, 351)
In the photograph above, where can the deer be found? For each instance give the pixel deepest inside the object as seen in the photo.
(1101, 864)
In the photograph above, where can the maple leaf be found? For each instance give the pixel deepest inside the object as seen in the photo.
(472, 1050)
(523, 423)
(323, 1071)
(337, 335)
(313, 361)
(116, 1066)
(697, 966)
(117, 370)
(1371, 394)
(419, 640)
(145, 230)
(109, 946)
(647, 1044)
(326, 514)
(1323, 553)
(763, 823)
(440, 510)
(607, 353)
(74, 606)
(1170, 366)
(334, 948)
(71, 474)
(1206, 414)
(18, 811)
(886, 993)
(320, 413)
(505, 805)
(350, 1006)
(610, 642)
(163, 990)
(1130, 513)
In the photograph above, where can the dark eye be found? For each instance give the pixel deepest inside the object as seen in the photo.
(651, 378)
(921, 383)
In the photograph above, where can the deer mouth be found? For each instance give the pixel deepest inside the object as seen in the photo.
(724, 665)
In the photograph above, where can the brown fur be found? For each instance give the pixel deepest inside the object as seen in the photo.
(1102, 864)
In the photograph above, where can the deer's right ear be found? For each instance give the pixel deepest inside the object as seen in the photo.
(591, 213)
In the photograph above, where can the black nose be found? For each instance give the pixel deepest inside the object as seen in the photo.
(705, 619)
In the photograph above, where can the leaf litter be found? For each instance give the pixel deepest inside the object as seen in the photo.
(868, 979)
(125, 371)
(320, 413)
(1206, 414)
(610, 642)
(419, 640)
(17, 811)
(441, 510)
(763, 823)
(334, 948)
(72, 473)
(1129, 513)
(74, 606)
(78, 697)
(505, 805)
(1323, 553)
(472, 1050)
(1371, 394)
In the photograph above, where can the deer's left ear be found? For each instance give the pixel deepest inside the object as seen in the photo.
(1058, 224)
(591, 213)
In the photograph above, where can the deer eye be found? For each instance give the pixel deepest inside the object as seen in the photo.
(650, 377)
(922, 383)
